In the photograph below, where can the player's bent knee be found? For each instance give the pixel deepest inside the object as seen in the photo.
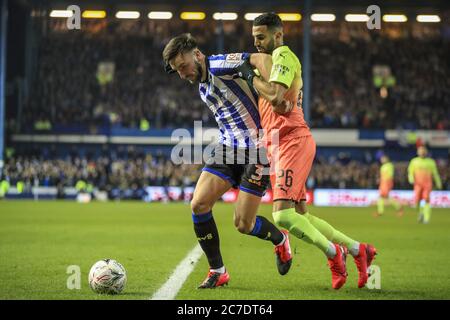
(200, 206)
(244, 226)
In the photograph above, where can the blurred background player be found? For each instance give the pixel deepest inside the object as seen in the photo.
(293, 156)
(421, 172)
(235, 108)
(387, 171)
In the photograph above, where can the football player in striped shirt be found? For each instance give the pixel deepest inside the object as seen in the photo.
(237, 161)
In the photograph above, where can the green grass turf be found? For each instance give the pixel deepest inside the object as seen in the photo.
(39, 240)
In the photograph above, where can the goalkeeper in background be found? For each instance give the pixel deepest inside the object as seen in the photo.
(386, 184)
(421, 172)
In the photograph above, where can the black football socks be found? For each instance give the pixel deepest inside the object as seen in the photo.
(208, 238)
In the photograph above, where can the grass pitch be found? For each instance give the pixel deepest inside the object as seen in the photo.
(40, 240)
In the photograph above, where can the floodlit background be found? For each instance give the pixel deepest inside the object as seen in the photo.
(87, 115)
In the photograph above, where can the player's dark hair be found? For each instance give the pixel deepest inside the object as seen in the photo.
(269, 19)
(180, 44)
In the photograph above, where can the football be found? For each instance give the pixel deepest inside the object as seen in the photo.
(107, 277)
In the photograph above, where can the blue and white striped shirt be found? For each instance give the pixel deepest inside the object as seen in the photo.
(232, 101)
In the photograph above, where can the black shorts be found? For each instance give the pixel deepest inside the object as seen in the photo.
(246, 169)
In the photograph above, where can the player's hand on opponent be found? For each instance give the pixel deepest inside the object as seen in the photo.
(246, 72)
(285, 107)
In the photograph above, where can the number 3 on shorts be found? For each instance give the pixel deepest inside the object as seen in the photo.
(258, 172)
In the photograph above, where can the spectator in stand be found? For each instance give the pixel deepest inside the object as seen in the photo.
(136, 170)
(67, 92)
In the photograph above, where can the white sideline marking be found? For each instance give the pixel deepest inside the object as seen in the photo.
(169, 290)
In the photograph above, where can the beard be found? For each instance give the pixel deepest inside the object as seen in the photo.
(198, 73)
(269, 48)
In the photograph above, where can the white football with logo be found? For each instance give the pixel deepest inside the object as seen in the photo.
(107, 277)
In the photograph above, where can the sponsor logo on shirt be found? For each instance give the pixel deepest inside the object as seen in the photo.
(280, 69)
(233, 57)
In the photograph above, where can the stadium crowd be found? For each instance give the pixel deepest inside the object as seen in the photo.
(118, 177)
(133, 171)
(110, 73)
(417, 85)
(69, 90)
(357, 175)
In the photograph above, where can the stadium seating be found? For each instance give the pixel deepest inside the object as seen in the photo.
(71, 94)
